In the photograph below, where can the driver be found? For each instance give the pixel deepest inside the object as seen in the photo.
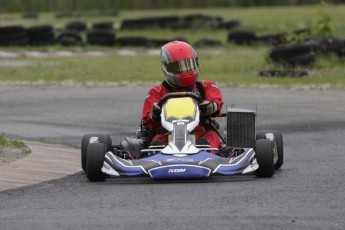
(179, 63)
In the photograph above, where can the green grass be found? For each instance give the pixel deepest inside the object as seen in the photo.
(11, 143)
(235, 65)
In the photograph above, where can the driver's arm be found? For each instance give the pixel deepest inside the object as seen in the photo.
(213, 94)
(153, 96)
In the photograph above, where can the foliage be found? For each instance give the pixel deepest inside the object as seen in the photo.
(322, 23)
(320, 27)
(11, 143)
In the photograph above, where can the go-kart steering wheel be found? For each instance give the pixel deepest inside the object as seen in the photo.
(179, 94)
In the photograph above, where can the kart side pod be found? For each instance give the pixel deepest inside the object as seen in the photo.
(240, 126)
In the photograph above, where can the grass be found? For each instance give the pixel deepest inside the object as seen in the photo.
(234, 65)
(11, 143)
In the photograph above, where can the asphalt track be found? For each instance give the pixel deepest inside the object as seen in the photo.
(307, 193)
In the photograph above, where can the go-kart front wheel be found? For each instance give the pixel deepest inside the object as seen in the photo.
(278, 137)
(104, 138)
(265, 157)
(94, 162)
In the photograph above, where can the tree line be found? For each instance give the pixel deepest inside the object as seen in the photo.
(104, 5)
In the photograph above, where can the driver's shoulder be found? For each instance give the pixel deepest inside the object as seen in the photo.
(207, 83)
(158, 89)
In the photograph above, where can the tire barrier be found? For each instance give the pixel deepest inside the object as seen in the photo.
(13, 36)
(162, 22)
(272, 39)
(76, 26)
(287, 51)
(242, 37)
(133, 41)
(283, 73)
(207, 42)
(301, 60)
(229, 25)
(103, 26)
(41, 35)
(69, 38)
(300, 54)
(326, 44)
(175, 22)
(101, 37)
(67, 14)
(157, 43)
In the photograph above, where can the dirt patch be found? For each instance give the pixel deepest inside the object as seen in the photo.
(8, 155)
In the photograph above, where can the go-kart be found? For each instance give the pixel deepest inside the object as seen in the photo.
(244, 150)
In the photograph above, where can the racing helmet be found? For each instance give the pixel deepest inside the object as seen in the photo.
(179, 63)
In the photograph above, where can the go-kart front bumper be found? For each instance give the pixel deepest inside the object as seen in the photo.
(163, 166)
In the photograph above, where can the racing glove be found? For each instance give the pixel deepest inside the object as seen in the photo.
(208, 108)
(155, 114)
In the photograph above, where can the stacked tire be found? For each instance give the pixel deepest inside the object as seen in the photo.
(205, 42)
(101, 37)
(103, 26)
(41, 35)
(135, 41)
(13, 36)
(242, 37)
(69, 38)
(326, 45)
(294, 55)
(76, 26)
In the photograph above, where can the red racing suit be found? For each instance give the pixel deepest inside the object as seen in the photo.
(211, 93)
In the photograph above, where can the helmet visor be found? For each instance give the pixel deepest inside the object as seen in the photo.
(183, 66)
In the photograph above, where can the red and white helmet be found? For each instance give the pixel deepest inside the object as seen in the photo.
(179, 63)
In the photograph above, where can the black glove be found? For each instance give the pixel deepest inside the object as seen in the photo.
(155, 112)
(208, 108)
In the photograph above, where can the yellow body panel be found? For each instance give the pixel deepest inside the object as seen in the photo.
(180, 108)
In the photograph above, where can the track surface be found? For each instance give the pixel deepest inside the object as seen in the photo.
(307, 193)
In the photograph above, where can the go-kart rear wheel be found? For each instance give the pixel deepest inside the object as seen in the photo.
(265, 157)
(278, 136)
(103, 138)
(94, 163)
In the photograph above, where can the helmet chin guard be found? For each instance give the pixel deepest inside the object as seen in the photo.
(179, 63)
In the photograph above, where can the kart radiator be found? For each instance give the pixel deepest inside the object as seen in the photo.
(240, 126)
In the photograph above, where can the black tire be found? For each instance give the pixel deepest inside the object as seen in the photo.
(68, 38)
(103, 138)
(11, 29)
(77, 25)
(132, 41)
(101, 37)
(265, 157)
(207, 42)
(273, 39)
(283, 73)
(302, 60)
(278, 136)
(94, 163)
(103, 26)
(284, 52)
(242, 37)
(13, 36)
(41, 35)
(157, 42)
(229, 24)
